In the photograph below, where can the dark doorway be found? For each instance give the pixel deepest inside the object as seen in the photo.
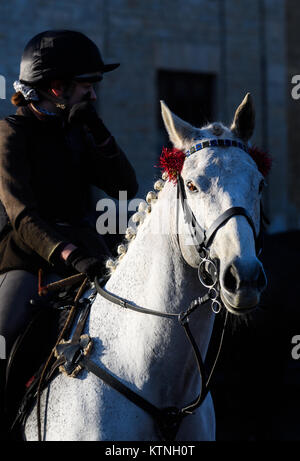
(190, 95)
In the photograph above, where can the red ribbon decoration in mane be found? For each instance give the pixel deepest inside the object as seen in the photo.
(262, 159)
(171, 161)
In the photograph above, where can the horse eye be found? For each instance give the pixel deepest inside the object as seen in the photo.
(261, 185)
(191, 186)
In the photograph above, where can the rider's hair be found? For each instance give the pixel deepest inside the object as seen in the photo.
(18, 99)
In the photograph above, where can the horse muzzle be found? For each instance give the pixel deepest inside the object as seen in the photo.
(241, 283)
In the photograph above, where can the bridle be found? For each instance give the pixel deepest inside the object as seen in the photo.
(207, 269)
(72, 355)
(201, 238)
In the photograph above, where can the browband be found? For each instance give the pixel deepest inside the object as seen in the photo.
(217, 143)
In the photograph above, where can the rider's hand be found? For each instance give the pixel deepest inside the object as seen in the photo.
(86, 264)
(85, 113)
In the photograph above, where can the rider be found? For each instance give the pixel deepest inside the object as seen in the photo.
(51, 151)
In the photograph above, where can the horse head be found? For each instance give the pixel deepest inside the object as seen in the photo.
(222, 185)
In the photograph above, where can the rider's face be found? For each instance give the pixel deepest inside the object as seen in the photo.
(82, 91)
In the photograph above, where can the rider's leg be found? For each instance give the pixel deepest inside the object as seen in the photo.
(17, 288)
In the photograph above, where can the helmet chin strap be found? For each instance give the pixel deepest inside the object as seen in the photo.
(62, 103)
(59, 102)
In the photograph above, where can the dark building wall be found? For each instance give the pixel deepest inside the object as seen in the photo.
(241, 43)
(293, 105)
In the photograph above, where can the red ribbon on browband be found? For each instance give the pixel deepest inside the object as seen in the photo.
(262, 159)
(171, 161)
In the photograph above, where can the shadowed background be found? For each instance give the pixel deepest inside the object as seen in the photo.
(202, 57)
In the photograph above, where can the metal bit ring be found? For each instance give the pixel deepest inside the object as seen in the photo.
(204, 274)
(216, 306)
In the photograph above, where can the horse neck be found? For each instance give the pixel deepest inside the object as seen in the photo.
(154, 262)
(152, 275)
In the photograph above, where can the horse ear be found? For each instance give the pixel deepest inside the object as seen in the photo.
(178, 130)
(244, 119)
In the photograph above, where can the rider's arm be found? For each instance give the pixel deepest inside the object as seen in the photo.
(107, 166)
(112, 171)
(18, 198)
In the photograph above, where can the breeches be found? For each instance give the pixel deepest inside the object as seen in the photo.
(17, 288)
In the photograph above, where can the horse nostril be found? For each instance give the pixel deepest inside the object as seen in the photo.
(244, 275)
(230, 279)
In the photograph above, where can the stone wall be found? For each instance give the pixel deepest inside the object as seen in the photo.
(242, 42)
(293, 68)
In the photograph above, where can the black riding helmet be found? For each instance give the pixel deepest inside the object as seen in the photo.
(61, 54)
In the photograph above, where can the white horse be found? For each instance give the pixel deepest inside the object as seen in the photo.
(150, 354)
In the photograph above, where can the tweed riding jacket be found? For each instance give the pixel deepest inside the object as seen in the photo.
(46, 169)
